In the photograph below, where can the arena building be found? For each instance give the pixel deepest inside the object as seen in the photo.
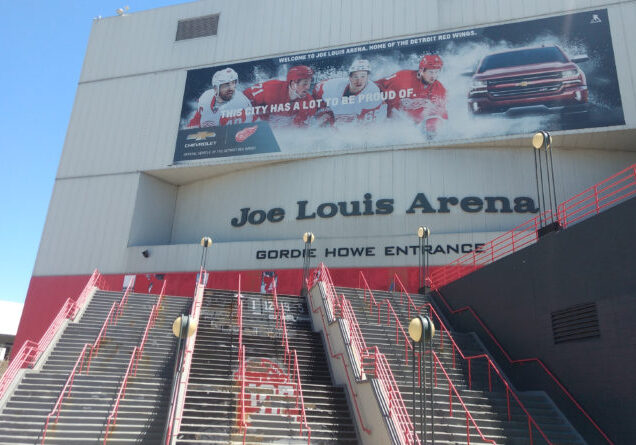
(254, 122)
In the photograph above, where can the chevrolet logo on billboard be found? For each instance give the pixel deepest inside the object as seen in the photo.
(522, 84)
(201, 135)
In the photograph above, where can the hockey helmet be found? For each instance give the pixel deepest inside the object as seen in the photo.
(431, 62)
(360, 65)
(299, 72)
(226, 75)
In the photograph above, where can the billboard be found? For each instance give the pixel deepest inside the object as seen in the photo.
(555, 73)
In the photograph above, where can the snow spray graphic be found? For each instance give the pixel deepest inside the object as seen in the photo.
(555, 73)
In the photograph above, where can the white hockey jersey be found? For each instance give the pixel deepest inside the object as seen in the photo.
(367, 105)
(210, 115)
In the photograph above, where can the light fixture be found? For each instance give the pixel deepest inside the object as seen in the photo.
(423, 232)
(206, 241)
(308, 237)
(421, 328)
(146, 253)
(121, 11)
(180, 324)
(541, 139)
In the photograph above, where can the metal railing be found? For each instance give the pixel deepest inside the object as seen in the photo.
(321, 273)
(300, 401)
(242, 422)
(469, 417)
(528, 360)
(182, 373)
(595, 199)
(133, 363)
(291, 365)
(521, 236)
(443, 330)
(92, 349)
(607, 193)
(131, 369)
(30, 351)
(68, 386)
(340, 356)
(375, 364)
(358, 349)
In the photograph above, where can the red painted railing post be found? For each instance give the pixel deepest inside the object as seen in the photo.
(508, 400)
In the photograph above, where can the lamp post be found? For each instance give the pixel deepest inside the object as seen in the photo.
(423, 233)
(182, 328)
(421, 328)
(206, 242)
(542, 142)
(308, 238)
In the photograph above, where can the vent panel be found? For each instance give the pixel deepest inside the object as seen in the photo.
(197, 27)
(575, 323)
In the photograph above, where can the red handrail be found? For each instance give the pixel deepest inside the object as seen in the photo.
(526, 360)
(444, 330)
(281, 324)
(511, 241)
(332, 304)
(593, 200)
(132, 366)
(111, 318)
(175, 412)
(469, 417)
(344, 363)
(30, 352)
(94, 349)
(360, 351)
(300, 398)
(381, 370)
(242, 422)
(124, 299)
(67, 386)
(354, 338)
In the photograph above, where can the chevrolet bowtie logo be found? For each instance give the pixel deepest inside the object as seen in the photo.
(201, 135)
(522, 84)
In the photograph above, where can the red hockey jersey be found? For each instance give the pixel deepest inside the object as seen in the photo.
(425, 102)
(281, 111)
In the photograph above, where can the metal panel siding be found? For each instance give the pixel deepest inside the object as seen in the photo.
(87, 225)
(123, 125)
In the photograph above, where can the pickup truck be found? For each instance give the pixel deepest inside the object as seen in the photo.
(528, 77)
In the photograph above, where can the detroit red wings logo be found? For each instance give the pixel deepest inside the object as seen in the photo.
(245, 133)
(268, 389)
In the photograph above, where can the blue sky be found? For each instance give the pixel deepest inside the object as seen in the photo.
(42, 44)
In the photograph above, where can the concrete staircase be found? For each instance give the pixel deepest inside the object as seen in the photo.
(488, 408)
(143, 411)
(210, 414)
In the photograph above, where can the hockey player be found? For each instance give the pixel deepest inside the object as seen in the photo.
(350, 99)
(222, 105)
(424, 97)
(286, 102)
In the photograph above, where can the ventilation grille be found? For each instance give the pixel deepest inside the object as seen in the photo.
(197, 27)
(575, 323)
